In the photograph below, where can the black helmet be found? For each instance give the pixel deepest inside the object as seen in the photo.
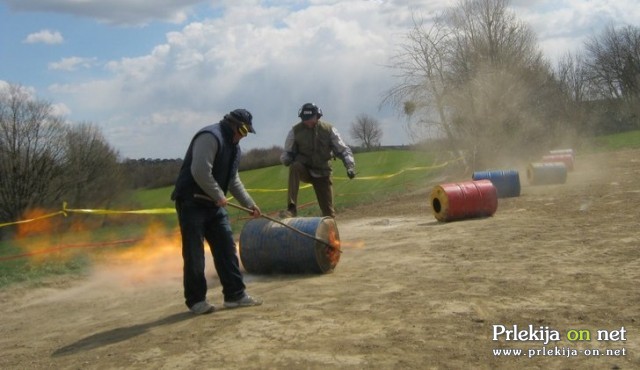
(309, 110)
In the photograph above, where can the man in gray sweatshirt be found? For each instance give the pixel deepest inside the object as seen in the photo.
(209, 170)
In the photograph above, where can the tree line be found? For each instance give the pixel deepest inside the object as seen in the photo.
(149, 173)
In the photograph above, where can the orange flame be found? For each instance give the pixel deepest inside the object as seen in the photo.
(45, 225)
(359, 244)
(155, 258)
(333, 252)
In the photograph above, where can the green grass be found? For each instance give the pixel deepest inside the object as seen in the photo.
(379, 175)
(623, 140)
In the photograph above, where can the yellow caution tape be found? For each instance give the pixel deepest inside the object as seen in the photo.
(388, 176)
(33, 219)
(65, 210)
(158, 211)
(275, 190)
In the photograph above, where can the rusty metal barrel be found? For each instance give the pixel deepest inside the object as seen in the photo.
(268, 247)
(463, 200)
(507, 182)
(547, 173)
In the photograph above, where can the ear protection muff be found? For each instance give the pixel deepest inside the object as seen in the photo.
(243, 130)
(242, 127)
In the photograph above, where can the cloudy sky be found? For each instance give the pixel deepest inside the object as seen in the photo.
(151, 73)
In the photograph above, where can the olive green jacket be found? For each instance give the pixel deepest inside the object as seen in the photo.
(315, 147)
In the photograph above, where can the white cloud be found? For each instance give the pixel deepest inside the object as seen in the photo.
(72, 63)
(45, 37)
(330, 55)
(271, 57)
(30, 94)
(123, 12)
(564, 25)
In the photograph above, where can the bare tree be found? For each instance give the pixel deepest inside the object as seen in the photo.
(572, 76)
(31, 152)
(422, 65)
(366, 130)
(613, 69)
(478, 76)
(573, 81)
(613, 62)
(92, 175)
(43, 161)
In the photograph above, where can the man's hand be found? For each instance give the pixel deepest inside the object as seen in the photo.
(286, 158)
(256, 211)
(351, 172)
(221, 202)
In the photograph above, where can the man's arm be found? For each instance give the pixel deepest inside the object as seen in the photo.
(341, 150)
(288, 155)
(236, 188)
(204, 150)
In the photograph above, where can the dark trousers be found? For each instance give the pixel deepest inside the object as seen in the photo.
(321, 185)
(199, 223)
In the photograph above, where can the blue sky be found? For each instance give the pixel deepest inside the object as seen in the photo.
(151, 73)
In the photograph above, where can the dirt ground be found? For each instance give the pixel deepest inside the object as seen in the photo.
(408, 293)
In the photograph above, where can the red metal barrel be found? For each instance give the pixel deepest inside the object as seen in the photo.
(567, 159)
(457, 201)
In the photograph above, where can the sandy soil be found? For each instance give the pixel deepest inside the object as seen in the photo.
(408, 293)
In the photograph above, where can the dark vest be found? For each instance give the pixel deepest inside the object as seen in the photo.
(225, 164)
(313, 146)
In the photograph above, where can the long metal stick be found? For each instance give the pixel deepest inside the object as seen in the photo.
(284, 224)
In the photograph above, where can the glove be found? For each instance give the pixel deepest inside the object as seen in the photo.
(286, 158)
(351, 173)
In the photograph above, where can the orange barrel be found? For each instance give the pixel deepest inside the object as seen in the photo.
(268, 247)
(566, 158)
(547, 173)
(457, 201)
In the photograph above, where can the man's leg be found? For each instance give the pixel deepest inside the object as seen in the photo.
(192, 219)
(324, 193)
(297, 172)
(225, 258)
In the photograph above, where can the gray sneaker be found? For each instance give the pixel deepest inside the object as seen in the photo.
(246, 301)
(202, 308)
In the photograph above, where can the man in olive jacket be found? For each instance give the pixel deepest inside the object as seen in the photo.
(308, 150)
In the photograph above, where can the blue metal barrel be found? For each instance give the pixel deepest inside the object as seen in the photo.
(547, 173)
(507, 182)
(268, 247)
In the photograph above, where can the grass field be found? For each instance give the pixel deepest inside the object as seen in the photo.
(622, 140)
(380, 175)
